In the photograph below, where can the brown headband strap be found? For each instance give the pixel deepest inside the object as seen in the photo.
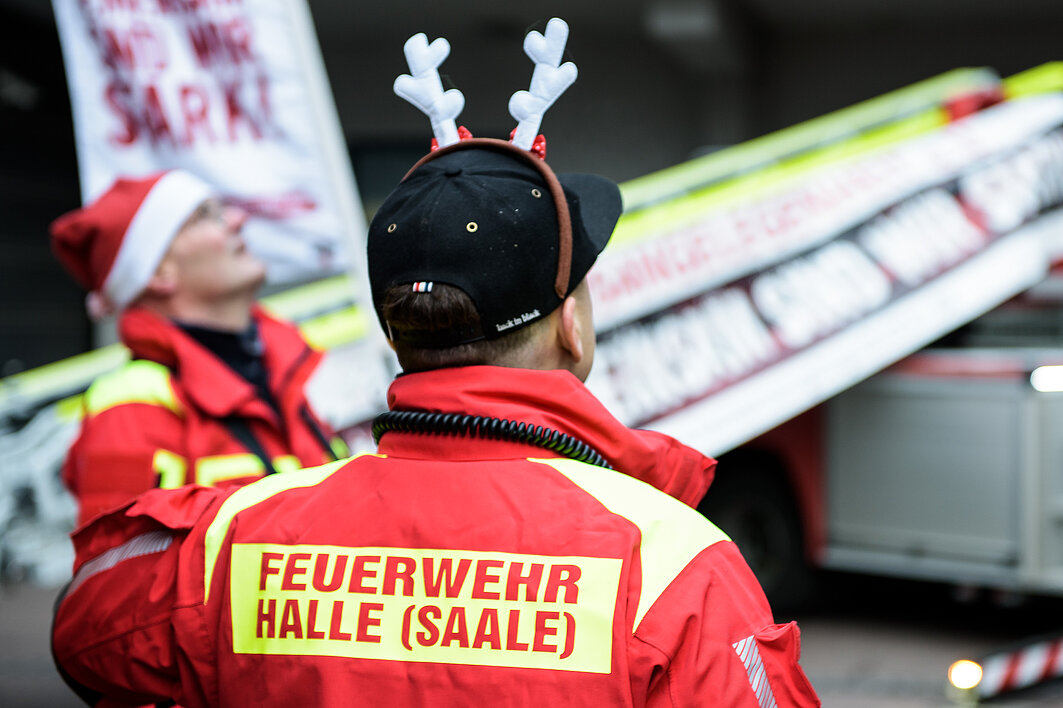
(564, 220)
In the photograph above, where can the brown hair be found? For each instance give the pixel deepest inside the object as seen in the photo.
(444, 308)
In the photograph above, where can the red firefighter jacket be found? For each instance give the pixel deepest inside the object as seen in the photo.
(164, 419)
(441, 571)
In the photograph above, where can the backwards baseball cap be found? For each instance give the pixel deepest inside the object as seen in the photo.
(489, 216)
(113, 245)
(495, 221)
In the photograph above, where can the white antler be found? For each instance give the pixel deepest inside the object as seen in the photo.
(423, 88)
(548, 80)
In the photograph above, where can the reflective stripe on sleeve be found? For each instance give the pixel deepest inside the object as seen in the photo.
(142, 545)
(249, 496)
(171, 468)
(758, 678)
(672, 533)
(139, 381)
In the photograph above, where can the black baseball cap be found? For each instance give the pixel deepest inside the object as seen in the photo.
(494, 220)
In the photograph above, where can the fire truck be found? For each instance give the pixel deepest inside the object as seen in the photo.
(945, 467)
(867, 334)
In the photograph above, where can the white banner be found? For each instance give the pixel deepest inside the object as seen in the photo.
(231, 90)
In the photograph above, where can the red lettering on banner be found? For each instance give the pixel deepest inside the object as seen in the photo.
(311, 621)
(184, 6)
(145, 112)
(334, 631)
(236, 112)
(562, 576)
(117, 96)
(425, 616)
(488, 634)
(392, 574)
(542, 631)
(483, 576)
(321, 567)
(133, 5)
(456, 629)
(115, 53)
(268, 569)
(366, 621)
(155, 117)
(570, 635)
(309, 617)
(530, 581)
(263, 98)
(290, 620)
(266, 619)
(136, 48)
(511, 632)
(360, 572)
(406, 628)
(487, 630)
(453, 580)
(292, 569)
(227, 43)
(194, 109)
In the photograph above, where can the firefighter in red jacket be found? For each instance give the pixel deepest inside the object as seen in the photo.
(502, 547)
(213, 393)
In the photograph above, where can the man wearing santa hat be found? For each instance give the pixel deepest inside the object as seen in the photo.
(213, 392)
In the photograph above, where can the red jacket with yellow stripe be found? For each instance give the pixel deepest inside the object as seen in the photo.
(158, 421)
(442, 571)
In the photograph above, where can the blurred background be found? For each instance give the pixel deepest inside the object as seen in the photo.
(660, 82)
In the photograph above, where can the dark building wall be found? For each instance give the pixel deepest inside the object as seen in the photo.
(42, 316)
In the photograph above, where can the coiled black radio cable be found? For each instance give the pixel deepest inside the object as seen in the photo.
(490, 428)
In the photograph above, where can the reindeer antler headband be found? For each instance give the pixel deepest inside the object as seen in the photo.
(423, 88)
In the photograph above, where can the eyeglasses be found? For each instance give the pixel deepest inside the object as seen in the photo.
(210, 210)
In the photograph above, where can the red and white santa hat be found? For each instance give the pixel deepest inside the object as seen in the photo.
(114, 245)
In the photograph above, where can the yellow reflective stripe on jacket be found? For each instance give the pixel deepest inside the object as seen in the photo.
(672, 533)
(139, 381)
(171, 468)
(217, 468)
(339, 448)
(286, 463)
(249, 496)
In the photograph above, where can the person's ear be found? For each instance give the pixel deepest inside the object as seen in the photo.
(164, 280)
(570, 329)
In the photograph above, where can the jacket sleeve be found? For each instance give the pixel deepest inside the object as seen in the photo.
(123, 450)
(112, 633)
(710, 640)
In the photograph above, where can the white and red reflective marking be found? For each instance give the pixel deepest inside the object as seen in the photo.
(758, 678)
(1026, 667)
(142, 545)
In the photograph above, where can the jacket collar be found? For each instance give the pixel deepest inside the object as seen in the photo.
(554, 399)
(215, 388)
